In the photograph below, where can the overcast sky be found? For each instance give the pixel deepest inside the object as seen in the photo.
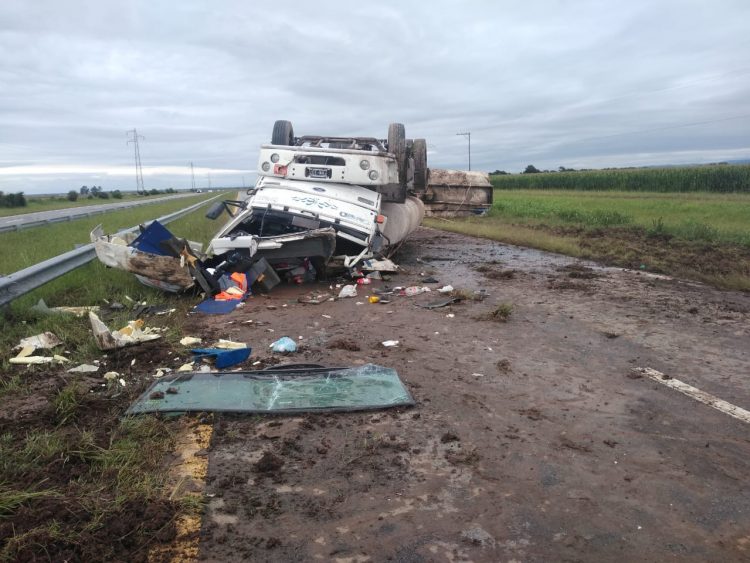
(553, 83)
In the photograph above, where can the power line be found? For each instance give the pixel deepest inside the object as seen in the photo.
(139, 187)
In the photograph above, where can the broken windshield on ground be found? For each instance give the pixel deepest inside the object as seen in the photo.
(304, 389)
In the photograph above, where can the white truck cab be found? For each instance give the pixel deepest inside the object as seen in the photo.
(348, 192)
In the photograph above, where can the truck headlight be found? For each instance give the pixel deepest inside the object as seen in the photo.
(373, 175)
(274, 158)
(364, 164)
(266, 166)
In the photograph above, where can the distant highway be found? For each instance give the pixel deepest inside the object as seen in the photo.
(28, 220)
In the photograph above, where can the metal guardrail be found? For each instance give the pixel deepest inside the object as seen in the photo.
(79, 214)
(28, 279)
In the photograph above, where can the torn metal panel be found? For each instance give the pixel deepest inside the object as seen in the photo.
(299, 389)
(163, 272)
(133, 333)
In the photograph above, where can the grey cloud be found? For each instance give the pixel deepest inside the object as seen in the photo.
(549, 82)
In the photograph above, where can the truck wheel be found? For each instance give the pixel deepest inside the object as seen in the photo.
(419, 154)
(397, 147)
(283, 134)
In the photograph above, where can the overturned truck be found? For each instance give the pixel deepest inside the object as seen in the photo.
(319, 203)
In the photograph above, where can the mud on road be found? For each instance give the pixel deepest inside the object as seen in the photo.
(531, 440)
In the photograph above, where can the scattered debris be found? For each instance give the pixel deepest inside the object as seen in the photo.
(390, 343)
(28, 360)
(229, 344)
(384, 265)
(348, 291)
(41, 307)
(284, 345)
(445, 289)
(440, 303)
(413, 290)
(85, 368)
(43, 341)
(133, 333)
(315, 298)
(190, 341)
(223, 358)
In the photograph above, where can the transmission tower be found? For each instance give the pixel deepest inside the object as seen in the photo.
(192, 173)
(133, 137)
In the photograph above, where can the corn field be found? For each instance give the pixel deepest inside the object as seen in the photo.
(717, 179)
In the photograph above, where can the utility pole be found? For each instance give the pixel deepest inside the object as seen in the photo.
(468, 135)
(133, 137)
(192, 174)
(209, 180)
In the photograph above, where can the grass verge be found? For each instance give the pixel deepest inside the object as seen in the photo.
(35, 204)
(78, 481)
(723, 265)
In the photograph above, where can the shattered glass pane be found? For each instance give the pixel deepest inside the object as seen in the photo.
(304, 389)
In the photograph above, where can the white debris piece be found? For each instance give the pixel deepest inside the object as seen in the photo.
(28, 360)
(133, 333)
(348, 291)
(390, 343)
(190, 341)
(229, 345)
(384, 265)
(445, 289)
(84, 368)
(44, 341)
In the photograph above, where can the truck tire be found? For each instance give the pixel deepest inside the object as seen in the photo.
(283, 133)
(397, 147)
(419, 154)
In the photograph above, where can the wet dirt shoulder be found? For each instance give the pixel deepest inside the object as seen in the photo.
(529, 439)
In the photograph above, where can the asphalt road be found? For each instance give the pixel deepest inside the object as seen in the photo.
(13, 222)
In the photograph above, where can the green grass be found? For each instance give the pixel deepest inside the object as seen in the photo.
(692, 216)
(698, 236)
(714, 178)
(49, 203)
(24, 248)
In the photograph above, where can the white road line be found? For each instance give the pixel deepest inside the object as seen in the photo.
(705, 398)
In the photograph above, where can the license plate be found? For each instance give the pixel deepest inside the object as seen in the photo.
(318, 172)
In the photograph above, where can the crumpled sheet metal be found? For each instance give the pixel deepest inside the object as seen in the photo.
(163, 272)
(367, 387)
(131, 334)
